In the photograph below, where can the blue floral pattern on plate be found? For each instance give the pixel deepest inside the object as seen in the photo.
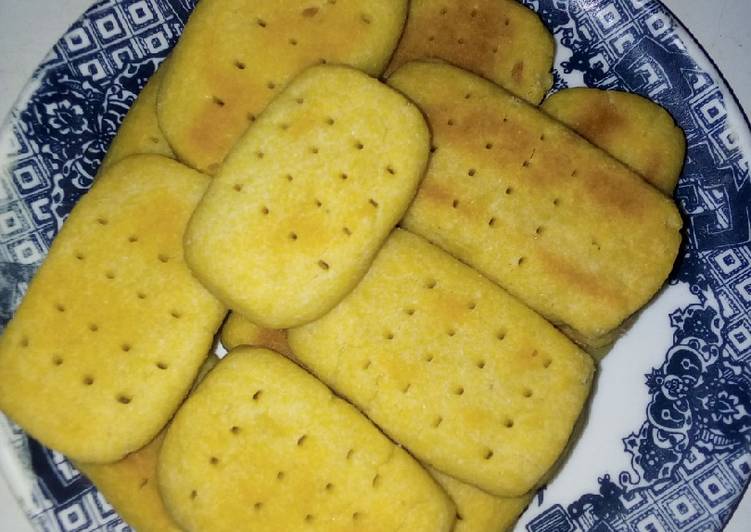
(690, 460)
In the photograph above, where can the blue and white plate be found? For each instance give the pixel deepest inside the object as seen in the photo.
(667, 444)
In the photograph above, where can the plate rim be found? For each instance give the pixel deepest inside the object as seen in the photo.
(731, 100)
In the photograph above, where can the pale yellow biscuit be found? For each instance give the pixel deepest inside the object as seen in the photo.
(501, 40)
(113, 329)
(139, 133)
(468, 379)
(557, 222)
(306, 198)
(234, 56)
(130, 485)
(631, 128)
(477, 511)
(262, 445)
(238, 331)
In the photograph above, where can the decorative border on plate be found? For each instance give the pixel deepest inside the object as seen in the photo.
(57, 140)
(690, 458)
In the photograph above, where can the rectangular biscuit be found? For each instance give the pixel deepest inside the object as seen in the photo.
(139, 132)
(130, 484)
(633, 129)
(234, 56)
(308, 195)
(262, 445)
(113, 326)
(238, 331)
(477, 511)
(557, 222)
(500, 40)
(448, 364)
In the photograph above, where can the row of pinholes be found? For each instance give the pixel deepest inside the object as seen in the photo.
(262, 24)
(293, 236)
(125, 347)
(431, 284)
(89, 379)
(300, 442)
(457, 390)
(472, 13)
(314, 150)
(111, 274)
(473, 172)
(462, 40)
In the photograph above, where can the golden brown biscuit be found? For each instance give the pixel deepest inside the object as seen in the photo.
(468, 379)
(632, 129)
(114, 326)
(501, 40)
(262, 445)
(307, 197)
(234, 56)
(558, 223)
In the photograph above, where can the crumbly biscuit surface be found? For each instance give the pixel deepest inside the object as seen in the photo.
(500, 40)
(262, 445)
(557, 222)
(633, 129)
(114, 327)
(234, 56)
(307, 197)
(130, 485)
(468, 379)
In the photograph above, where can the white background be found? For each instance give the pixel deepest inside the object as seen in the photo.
(28, 28)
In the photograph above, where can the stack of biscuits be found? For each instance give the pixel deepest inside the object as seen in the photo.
(418, 268)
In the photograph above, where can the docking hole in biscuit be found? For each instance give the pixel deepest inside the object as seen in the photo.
(429, 338)
(531, 167)
(251, 264)
(286, 468)
(96, 336)
(244, 54)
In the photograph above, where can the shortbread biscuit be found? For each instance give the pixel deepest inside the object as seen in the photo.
(130, 485)
(468, 379)
(234, 56)
(238, 331)
(306, 198)
(633, 129)
(262, 445)
(557, 222)
(139, 132)
(477, 511)
(501, 40)
(114, 327)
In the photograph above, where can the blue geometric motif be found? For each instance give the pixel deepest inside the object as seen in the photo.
(84, 88)
(691, 457)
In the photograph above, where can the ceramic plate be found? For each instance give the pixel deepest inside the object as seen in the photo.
(667, 443)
